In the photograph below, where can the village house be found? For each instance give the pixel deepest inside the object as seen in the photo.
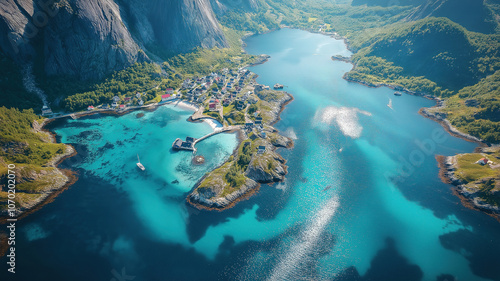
(46, 111)
(114, 104)
(122, 107)
(240, 105)
(249, 125)
(141, 102)
(138, 95)
(212, 106)
(116, 98)
(126, 99)
(90, 107)
(483, 161)
(166, 97)
(227, 102)
(261, 149)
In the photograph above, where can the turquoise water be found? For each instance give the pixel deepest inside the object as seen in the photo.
(362, 200)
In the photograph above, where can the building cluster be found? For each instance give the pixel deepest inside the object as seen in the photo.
(219, 88)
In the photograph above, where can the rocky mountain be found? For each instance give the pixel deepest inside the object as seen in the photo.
(88, 39)
(175, 26)
(475, 15)
(222, 6)
(385, 3)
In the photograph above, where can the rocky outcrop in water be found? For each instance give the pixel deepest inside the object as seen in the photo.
(208, 199)
(267, 168)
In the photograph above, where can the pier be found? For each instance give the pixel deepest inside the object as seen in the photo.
(190, 143)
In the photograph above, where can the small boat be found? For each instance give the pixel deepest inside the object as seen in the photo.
(390, 104)
(397, 94)
(139, 163)
(278, 86)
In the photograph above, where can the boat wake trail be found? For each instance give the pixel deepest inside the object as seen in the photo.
(301, 250)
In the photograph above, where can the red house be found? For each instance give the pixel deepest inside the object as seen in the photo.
(212, 106)
(483, 161)
(165, 97)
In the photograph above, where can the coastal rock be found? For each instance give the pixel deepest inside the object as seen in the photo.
(473, 196)
(435, 114)
(281, 141)
(209, 197)
(267, 168)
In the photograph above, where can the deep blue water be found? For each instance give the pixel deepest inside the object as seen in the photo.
(362, 200)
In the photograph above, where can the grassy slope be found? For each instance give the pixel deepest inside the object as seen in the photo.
(435, 49)
(29, 151)
(486, 179)
(481, 117)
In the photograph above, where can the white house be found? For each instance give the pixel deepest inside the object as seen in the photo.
(46, 110)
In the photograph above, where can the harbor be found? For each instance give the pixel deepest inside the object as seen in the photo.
(190, 143)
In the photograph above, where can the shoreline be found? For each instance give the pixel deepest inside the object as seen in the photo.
(447, 166)
(71, 175)
(432, 113)
(49, 195)
(251, 186)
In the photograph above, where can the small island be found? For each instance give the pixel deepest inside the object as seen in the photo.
(476, 177)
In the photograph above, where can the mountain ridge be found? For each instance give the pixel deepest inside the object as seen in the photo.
(88, 39)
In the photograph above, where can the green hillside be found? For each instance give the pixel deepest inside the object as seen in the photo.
(476, 109)
(436, 49)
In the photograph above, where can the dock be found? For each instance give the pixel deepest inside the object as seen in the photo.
(190, 143)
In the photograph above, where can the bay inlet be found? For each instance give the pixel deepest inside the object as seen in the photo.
(348, 209)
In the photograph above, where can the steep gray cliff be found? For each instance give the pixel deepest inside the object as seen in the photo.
(14, 19)
(222, 6)
(88, 39)
(176, 25)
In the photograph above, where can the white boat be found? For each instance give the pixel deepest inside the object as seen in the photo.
(139, 163)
